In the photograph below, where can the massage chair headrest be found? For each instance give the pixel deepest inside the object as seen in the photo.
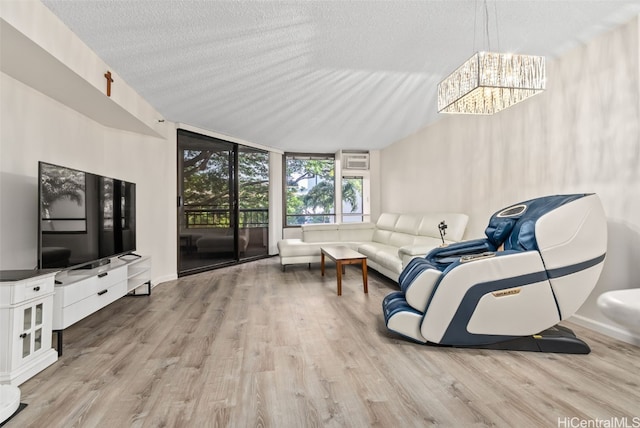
(515, 225)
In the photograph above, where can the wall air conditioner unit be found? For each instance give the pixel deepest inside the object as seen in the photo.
(355, 160)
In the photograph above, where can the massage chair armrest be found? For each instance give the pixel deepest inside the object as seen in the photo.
(420, 277)
(444, 256)
(507, 294)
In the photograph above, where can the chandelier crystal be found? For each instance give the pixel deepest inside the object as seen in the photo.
(489, 82)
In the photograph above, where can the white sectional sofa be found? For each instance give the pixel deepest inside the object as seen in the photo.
(389, 244)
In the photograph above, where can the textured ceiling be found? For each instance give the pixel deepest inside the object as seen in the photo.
(317, 76)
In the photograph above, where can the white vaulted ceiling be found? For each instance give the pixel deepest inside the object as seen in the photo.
(316, 76)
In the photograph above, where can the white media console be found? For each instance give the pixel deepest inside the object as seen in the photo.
(79, 293)
(36, 303)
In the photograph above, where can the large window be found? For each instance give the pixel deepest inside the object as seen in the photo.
(352, 199)
(309, 189)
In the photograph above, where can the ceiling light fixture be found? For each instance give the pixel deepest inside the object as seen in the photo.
(489, 82)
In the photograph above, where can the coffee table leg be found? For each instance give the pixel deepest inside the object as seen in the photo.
(339, 270)
(364, 275)
(322, 263)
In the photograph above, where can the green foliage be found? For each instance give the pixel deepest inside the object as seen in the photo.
(309, 189)
(320, 198)
(310, 185)
(253, 176)
(206, 179)
(207, 182)
(352, 192)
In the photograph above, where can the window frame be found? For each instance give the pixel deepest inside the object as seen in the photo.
(306, 156)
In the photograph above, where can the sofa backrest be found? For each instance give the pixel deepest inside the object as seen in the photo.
(343, 232)
(456, 225)
(356, 232)
(392, 229)
(384, 227)
(320, 232)
(417, 229)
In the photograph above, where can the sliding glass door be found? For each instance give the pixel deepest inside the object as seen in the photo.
(253, 202)
(222, 202)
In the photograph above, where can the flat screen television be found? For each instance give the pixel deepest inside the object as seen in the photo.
(84, 218)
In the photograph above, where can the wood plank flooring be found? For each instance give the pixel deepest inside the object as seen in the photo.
(251, 346)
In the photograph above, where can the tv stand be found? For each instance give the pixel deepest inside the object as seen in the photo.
(80, 293)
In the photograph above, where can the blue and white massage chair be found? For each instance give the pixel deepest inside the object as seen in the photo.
(538, 264)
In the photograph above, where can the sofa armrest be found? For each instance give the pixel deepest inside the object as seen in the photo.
(414, 250)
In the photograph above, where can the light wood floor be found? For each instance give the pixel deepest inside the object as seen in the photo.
(251, 346)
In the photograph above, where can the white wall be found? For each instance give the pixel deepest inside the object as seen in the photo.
(38, 124)
(375, 202)
(581, 135)
(38, 128)
(53, 108)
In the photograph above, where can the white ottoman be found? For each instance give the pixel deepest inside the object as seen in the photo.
(9, 401)
(622, 306)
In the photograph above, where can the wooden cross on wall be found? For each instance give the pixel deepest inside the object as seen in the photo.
(107, 75)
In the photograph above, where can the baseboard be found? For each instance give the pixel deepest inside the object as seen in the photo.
(606, 329)
(161, 279)
(30, 368)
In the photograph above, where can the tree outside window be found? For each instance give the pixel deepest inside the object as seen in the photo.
(310, 189)
(207, 187)
(310, 195)
(352, 203)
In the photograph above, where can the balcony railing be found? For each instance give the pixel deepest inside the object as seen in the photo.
(221, 217)
(300, 219)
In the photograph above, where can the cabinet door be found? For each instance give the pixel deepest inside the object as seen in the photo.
(29, 336)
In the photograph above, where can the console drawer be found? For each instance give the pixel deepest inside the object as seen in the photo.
(67, 295)
(31, 288)
(79, 309)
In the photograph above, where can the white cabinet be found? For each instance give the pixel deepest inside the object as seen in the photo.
(26, 305)
(79, 293)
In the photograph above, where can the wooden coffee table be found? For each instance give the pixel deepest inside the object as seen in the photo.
(344, 256)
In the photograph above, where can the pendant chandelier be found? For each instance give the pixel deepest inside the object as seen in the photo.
(489, 82)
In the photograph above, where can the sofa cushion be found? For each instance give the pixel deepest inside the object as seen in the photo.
(384, 255)
(387, 221)
(427, 241)
(398, 239)
(296, 247)
(408, 223)
(382, 236)
(420, 248)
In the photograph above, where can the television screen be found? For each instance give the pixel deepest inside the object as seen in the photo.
(84, 217)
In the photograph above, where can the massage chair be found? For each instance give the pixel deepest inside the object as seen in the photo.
(539, 262)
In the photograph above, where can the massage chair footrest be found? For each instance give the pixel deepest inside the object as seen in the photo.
(557, 339)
